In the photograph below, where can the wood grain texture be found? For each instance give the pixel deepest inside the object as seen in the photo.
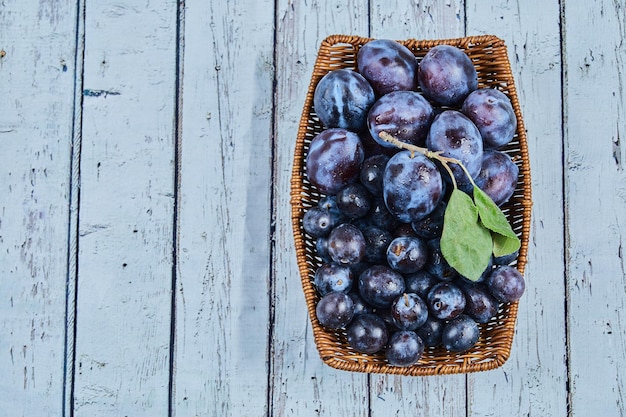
(410, 396)
(223, 277)
(126, 210)
(37, 47)
(301, 384)
(533, 41)
(243, 343)
(595, 198)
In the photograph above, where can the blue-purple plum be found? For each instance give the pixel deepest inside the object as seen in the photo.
(447, 75)
(430, 332)
(317, 222)
(379, 285)
(457, 137)
(480, 304)
(409, 311)
(354, 200)
(371, 174)
(335, 310)
(405, 348)
(412, 186)
(332, 277)
(367, 333)
(492, 113)
(460, 334)
(420, 283)
(334, 160)
(445, 301)
(407, 254)
(342, 99)
(498, 176)
(346, 244)
(506, 284)
(405, 115)
(388, 66)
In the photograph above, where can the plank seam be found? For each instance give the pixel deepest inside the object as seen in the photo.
(178, 130)
(566, 233)
(269, 404)
(69, 371)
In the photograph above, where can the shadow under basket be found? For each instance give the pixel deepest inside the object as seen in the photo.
(493, 348)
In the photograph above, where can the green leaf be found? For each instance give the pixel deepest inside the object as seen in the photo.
(505, 241)
(465, 243)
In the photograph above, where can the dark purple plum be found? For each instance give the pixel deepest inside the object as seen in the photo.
(360, 306)
(437, 264)
(405, 348)
(445, 301)
(329, 203)
(460, 334)
(334, 159)
(385, 314)
(407, 254)
(371, 174)
(420, 283)
(321, 247)
(405, 115)
(430, 332)
(480, 304)
(367, 333)
(342, 99)
(346, 244)
(404, 230)
(431, 226)
(412, 186)
(506, 284)
(354, 200)
(376, 240)
(332, 277)
(317, 222)
(492, 113)
(409, 311)
(379, 285)
(456, 136)
(335, 310)
(388, 66)
(357, 269)
(505, 259)
(498, 176)
(380, 216)
(447, 75)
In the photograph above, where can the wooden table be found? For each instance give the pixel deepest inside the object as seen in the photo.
(146, 254)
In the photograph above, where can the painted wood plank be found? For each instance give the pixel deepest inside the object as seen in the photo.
(223, 277)
(595, 104)
(301, 384)
(417, 396)
(537, 355)
(37, 51)
(126, 210)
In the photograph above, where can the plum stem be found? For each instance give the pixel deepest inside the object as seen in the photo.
(445, 160)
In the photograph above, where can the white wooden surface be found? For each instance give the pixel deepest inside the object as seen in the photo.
(146, 256)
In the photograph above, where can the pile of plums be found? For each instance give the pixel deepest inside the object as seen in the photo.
(383, 279)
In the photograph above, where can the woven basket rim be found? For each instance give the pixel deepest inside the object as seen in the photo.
(327, 342)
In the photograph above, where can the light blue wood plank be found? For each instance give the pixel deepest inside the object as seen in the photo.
(126, 210)
(37, 51)
(223, 277)
(594, 57)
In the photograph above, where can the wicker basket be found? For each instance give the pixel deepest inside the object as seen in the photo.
(489, 55)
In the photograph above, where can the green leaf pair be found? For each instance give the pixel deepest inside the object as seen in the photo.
(473, 231)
